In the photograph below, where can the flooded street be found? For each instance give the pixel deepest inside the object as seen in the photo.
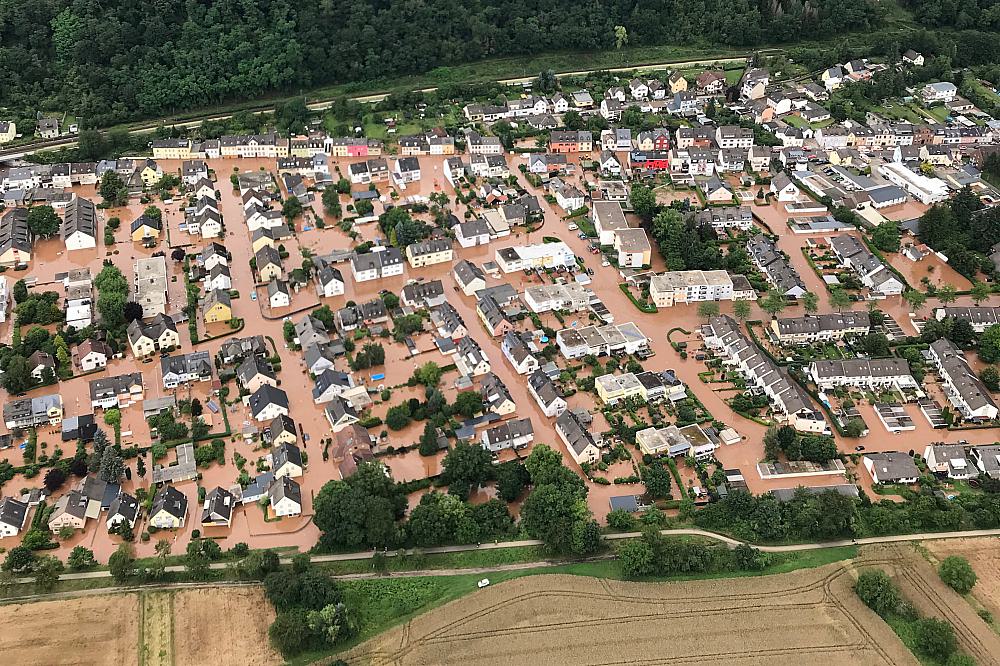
(250, 523)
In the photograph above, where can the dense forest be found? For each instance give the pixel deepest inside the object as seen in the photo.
(113, 61)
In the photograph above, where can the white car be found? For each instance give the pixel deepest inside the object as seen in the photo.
(483, 583)
(573, 227)
(605, 263)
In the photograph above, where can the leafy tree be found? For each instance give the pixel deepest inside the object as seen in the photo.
(620, 520)
(19, 560)
(20, 291)
(989, 344)
(957, 573)
(43, 221)
(990, 378)
(773, 303)
(981, 292)
(465, 468)
(708, 309)
(334, 623)
(657, 481)
(877, 591)
(331, 202)
(46, 572)
(121, 564)
(512, 478)
(810, 302)
(17, 377)
(428, 374)
(885, 237)
(196, 560)
(643, 201)
(81, 558)
(468, 404)
(360, 511)
(291, 208)
(946, 294)
(258, 564)
(112, 466)
(112, 189)
(741, 310)
(935, 638)
(839, 298)
(429, 440)
(398, 417)
(915, 299)
(636, 557)
(54, 478)
(875, 345)
(290, 633)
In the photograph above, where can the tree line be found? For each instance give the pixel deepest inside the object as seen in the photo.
(118, 61)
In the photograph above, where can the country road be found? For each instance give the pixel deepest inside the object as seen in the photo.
(323, 104)
(729, 541)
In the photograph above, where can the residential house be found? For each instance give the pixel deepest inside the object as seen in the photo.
(92, 354)
(217, 510)
(119, 391)
(285, 496)
(496, 397)
(470, 359)
(545, 393)
(160, 334)
(951, 461)
(286, 460)
(379, 263)
(575, 434)
(13, 514)
(267, 403)
(891, 467)
(186, 368)
(169, 510)
(217, 306)
(79, 226)
(469, 277)
(255, 372)
(278, 294)
(124, 510)
(964, 389)
(429, 252)
(512, 434)
(16, 238)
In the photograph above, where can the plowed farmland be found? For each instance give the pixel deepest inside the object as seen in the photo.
(806, 617)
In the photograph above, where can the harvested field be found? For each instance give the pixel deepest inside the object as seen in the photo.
(984, 556)
(805, 617)
(91, 631)
(920, 584)
(156, 624)
(246, 615)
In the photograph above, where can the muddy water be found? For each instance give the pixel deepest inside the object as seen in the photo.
(249, 524)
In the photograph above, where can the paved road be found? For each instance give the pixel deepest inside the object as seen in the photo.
(729, 541)
(322, 104)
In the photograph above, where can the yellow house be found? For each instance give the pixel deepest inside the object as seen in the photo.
(172, 149)
(612, 389)
(146, 227)
(218, 307)
(677, 82)
(8, 131)
(429, 252)
(261, 238)
(150, 173)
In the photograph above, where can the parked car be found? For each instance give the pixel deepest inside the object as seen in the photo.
(483, 583)
(573, 227)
